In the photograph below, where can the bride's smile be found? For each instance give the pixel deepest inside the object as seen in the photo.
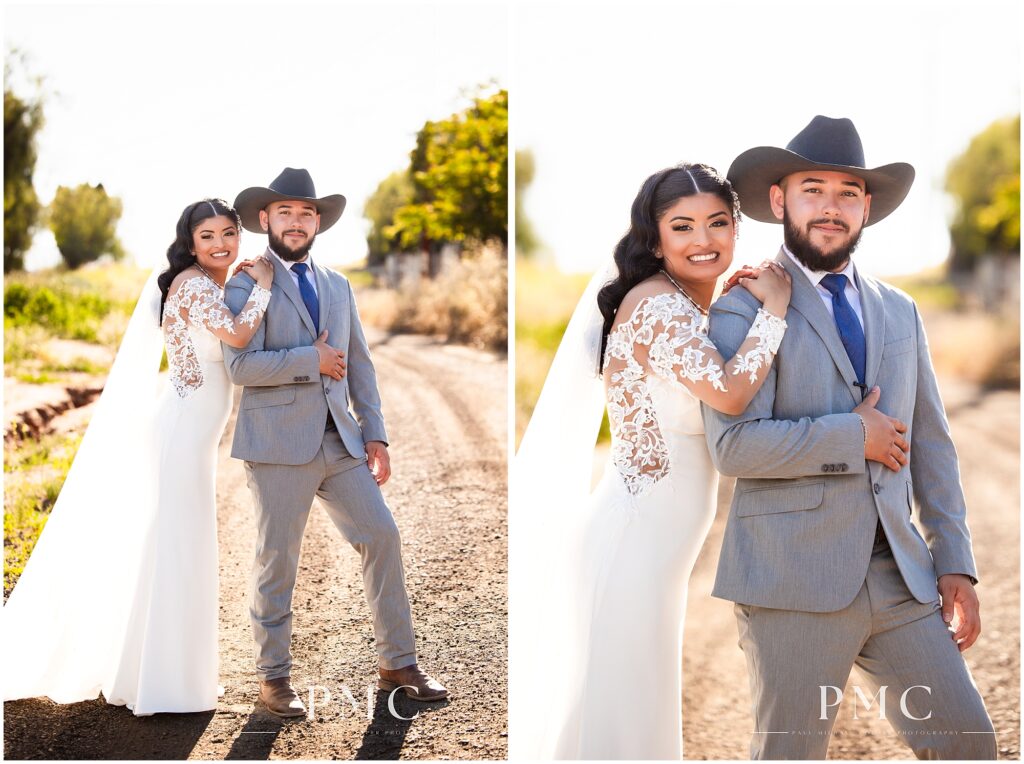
(696, 241)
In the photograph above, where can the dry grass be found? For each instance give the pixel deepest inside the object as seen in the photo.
(978, 347)
(545, 299)
(34, 475)
(966, 342)
(467, 304)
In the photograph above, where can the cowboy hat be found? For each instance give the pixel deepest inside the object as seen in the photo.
(831, 145)
(291, 184)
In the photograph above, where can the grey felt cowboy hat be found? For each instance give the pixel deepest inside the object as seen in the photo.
(291, 184)
(825, 144)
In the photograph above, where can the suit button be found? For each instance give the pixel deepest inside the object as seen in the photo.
(877, 488)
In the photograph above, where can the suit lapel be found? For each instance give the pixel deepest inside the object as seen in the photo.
(874, 326)
(323, 294)
(808, 303)
(283, 279)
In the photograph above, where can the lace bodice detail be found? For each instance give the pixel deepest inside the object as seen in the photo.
(199, 304)
(666, 337)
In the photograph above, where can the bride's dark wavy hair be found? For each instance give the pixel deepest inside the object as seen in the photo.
(179, 254)
(634, 254)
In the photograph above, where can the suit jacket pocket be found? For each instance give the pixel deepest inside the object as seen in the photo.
(777, 499)
(897, 347)
(269, 398)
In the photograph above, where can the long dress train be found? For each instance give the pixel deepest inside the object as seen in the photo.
(120, 594)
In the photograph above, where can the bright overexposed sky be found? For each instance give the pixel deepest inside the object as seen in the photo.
(605, 95)
(169, 103)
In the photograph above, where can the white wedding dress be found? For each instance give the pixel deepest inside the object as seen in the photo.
(120, 595)
(614, 689)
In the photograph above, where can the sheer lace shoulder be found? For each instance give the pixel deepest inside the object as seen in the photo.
(198, 301)
(666, 335)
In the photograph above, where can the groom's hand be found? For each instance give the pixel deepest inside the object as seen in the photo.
(883, 435)
(378, 460)
(332, 362)
(960, 608)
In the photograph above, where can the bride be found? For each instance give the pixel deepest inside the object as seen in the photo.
(599, 584)
(120, 593)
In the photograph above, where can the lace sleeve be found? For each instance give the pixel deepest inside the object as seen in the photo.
(666, 336)
(675, 336)
(206, 308)
(197, 301)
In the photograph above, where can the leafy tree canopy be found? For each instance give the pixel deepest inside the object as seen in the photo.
(84, 223)
(459, 173)
(23, 120)
(526, 238)
(394, 192)
(985, 182)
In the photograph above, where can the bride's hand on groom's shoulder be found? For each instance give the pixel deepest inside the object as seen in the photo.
(960, 609)
(378, 460)
(768, 282)
(260, 269)
(745, 272)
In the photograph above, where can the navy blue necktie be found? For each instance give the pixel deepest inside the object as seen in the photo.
(309, 295)
(850, 330)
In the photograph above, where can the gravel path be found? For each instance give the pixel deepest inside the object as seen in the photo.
(716, 696)
(446, 411)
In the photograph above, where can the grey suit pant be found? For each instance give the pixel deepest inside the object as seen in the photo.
(283, 495)
(897, 643)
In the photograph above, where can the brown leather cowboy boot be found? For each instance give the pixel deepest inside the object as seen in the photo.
(280, 699)
(413, 681)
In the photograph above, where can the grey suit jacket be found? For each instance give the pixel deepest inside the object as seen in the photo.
(802, 522)
(285, 399)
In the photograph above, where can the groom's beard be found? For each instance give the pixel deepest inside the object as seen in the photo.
(283, 251)
(799, 243)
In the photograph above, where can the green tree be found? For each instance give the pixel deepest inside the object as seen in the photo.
(526, 238)
(394, 192)
(459, 172)
(985, 182)
(84, 222)
(22, 122)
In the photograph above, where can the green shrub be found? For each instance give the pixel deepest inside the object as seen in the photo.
(60, 308)
(35, 473)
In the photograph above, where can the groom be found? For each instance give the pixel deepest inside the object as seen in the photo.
(819, 554)
(310, 425)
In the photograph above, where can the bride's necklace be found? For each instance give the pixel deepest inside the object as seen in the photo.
(211, 278)
(703, 311)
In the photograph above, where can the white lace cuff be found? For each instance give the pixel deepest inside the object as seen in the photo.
(259, 299)
(768, 330)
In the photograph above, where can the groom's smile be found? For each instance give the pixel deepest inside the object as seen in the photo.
(823, 215)
(291, 227)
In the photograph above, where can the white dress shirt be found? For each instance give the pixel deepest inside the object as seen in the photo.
(851, 291)
(295, 276)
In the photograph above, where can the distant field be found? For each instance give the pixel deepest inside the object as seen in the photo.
(545, 299)
(47, 311)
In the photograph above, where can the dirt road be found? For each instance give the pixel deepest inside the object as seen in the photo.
(446, 412)
(717, 719)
